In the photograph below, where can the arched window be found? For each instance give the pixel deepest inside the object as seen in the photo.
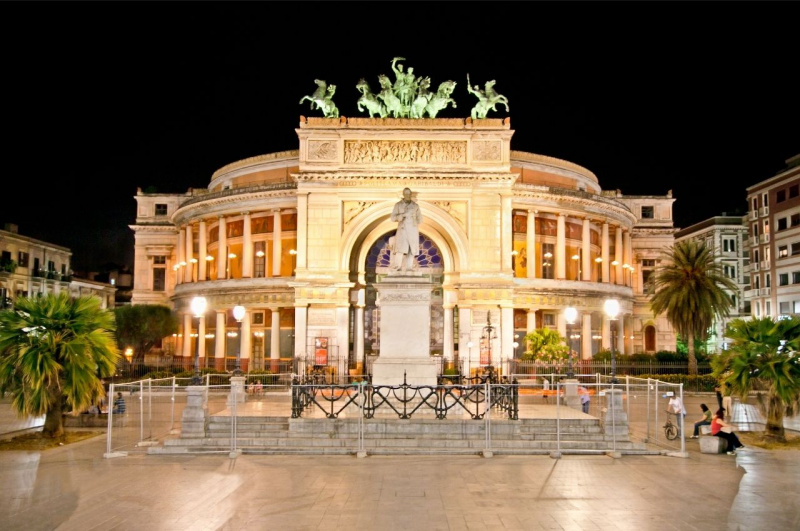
(650, 338)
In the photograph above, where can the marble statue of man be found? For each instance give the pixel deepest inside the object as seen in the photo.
(408, 216)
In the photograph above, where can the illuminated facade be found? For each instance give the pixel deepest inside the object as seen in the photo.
(300, 239)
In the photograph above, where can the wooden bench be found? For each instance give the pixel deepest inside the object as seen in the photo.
(710, 444)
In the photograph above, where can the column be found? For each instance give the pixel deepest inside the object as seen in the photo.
(604, 246)
(626, 256)
(275, 340)
(201, 338)
(302, 230)
(343, 333)
(606, 333)
(202, 263)
(187, 337)
(300, 331)
(531, 325)
(465, 328)
(561, 324)
(447, 354)
(586, 336)
(181, 256)
(531, 244)
(247, 248)
(220, 340)
(359, 332)
(506, 232)
(506, 337)
(222, 250)
(276, 243)
(245, 342)
(618, 254)
(187, 273)
(586, 251)
(561, 247)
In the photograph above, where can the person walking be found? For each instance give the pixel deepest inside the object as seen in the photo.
(720, 428)
(705, 421)
(584, 398)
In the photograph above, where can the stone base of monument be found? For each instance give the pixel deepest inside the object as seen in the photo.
(397, 371)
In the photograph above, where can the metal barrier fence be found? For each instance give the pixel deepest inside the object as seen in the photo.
(154, 408)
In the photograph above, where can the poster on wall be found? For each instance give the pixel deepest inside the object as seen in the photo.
(321, 351)
(486, 352)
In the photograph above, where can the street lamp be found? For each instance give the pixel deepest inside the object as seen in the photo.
(611, 308)
(489, 335)
(570, 314)
(198, 309)
(238, 314)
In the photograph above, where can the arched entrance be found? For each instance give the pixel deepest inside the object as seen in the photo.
(430, 263)
(649, 338)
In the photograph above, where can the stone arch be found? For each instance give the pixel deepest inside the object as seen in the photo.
(369, 226)
(649, 336)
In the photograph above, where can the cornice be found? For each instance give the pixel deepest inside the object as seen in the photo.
(258, 159)
(523, 156)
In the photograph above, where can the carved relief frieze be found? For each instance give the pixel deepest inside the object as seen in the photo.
(354, 208)
(487, 150)
(321, 150)
(405, 152)
(457, 210)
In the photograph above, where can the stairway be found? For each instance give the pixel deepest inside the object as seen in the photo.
(393, 436)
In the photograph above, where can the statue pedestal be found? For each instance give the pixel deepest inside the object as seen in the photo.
(571, 396)
(405, 330)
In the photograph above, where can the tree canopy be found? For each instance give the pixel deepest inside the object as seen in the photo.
(690, 288)
(54, 352)
(143, 326)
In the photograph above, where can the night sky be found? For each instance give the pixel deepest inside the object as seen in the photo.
(104, 97)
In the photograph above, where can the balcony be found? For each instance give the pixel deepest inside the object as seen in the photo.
(764, 211)
(764, 292)
(755, 266)
(753, 215)
(764, 238)
(750, 293)
(764, 265)
(753, 241)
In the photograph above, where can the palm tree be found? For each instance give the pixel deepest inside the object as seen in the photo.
(54, 350)
(764, 357)
(546, 345)
(689, 286)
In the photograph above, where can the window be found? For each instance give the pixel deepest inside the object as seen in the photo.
(647, 212)
(758, 309)
(729, 245)
(646, 274)
(5, 257)
(783, 307)
(160, 260)
(794, 191)
(795, 277)
(161, 209)
(796, 307)
(766, 226)
(36, 264)
(729, 271)
(648, 262)
(159, 278)
(765, 200)
(780, 196)
(260, 259)
(795, 220)
(767, 280)
(783, 251)
(783, 224)
(755, 230)
(547, 260)
(795, 248)
(23, 259)
(783, 279)
(755, 204)
(51, 266)
(548, 319)
(767, 309)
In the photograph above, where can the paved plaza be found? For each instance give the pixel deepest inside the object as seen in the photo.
(76, 488)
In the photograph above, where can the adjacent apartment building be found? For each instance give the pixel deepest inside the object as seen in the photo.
(774, 232)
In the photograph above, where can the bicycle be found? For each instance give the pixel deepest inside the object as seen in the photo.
(670, 428)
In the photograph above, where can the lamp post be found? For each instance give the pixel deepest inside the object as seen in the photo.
(611, 308)
(238, 314)
(489, 335)
(198, 309)
(570, 314)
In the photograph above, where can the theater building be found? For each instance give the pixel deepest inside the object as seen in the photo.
(508, 239)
